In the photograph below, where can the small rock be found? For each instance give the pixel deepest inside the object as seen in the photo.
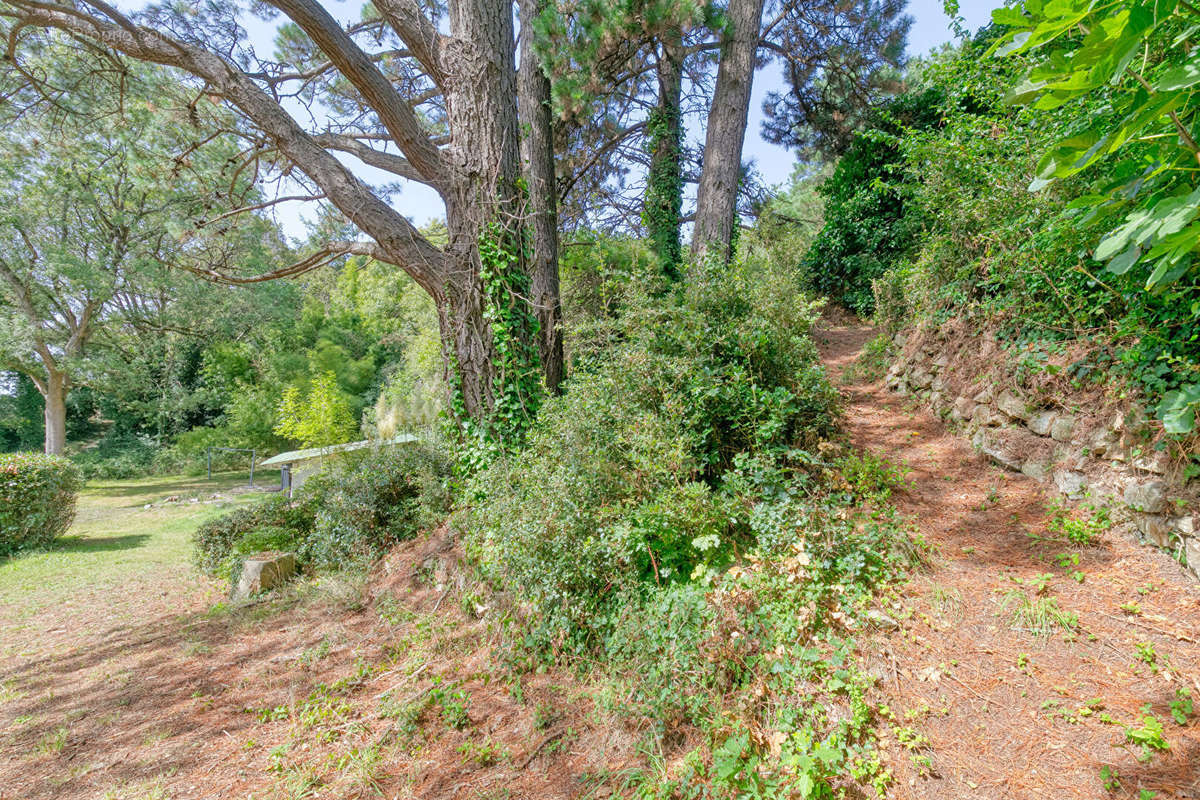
(1149, 497)
(1191, 550)
(1072, 484)
(1156, 463)
(986, 415)
(998, 453)
(265, 571)
(1102, 441)
(938, 384)
(881, 620)
(920, 379)
(1012, 405)
(1186, 525)
(1062, 429)
(942, 361)
(984, 396)
(1035, 469)
(1041, 422)
(1156, 529)
(899, 340)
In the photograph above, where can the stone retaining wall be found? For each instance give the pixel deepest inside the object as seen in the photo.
(1105, 459)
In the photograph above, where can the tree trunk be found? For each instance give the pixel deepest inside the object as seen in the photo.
(485, 316)
(56, 412)
(716, 199)
(664, 183)
(538, 154)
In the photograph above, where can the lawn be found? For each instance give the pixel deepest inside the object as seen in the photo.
(117, 555)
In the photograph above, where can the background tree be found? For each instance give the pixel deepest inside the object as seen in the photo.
(840, 59)
(397, 93)
(89, 206)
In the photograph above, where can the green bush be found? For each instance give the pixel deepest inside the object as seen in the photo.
(214, 542)
(344, 516)
(365, 503)
(117, 456)
(37, 499)
(621, 483)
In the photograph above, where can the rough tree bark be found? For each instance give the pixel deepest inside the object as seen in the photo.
(716, 199)
(538, 153)
(664, 190)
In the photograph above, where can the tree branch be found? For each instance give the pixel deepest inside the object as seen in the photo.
(394, 111)
(327, 254)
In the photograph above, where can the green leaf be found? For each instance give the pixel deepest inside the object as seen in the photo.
(1180, 77)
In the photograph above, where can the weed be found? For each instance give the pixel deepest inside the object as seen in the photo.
(1067, 561)
(1083, 529)
(454, 704)
(1182, 706)
(1149, 736)
(52, 741)
(362, 769)
(1131, 608)
(544, 716)
(9, 691)
(1147, 655)
(1038, 615)
(483, 754)
(872, 477)
(1110, 779)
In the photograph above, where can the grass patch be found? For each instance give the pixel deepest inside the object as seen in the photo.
(115, 541)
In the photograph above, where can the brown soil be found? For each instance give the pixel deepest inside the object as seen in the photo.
(206, 704)
(987, 694)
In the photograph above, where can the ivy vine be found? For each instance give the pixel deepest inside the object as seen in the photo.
(517, 390)
(664, 188)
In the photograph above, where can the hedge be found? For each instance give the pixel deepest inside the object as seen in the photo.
(37, 499)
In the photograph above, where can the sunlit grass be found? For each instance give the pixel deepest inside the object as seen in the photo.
(114, 545)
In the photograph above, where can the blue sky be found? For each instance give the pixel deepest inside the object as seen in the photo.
(931, 28)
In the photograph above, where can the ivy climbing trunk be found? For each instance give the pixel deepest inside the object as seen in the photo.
(664, 184)
(716, 199)
(486, 322)
(538, 155)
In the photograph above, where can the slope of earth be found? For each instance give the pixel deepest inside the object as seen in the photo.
(123, 677)
(1025, 663)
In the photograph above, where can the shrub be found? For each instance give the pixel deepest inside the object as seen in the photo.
(365, 503)
(344, 516)
(622, 482)
(37, 499)
(117, 456)
(215, 541)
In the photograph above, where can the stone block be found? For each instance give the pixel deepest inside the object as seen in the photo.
(1012, 405)
(1191, 550)
(1071, 483)
(1149, 497)
(262, 572)
(1154, 462)
(998, 452)
(1155, 529)
(1062, 429)
(985, 415)
(1041, 422)
(1036, 469)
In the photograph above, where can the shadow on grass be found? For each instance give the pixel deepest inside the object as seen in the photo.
(172, 485)
(97, 544)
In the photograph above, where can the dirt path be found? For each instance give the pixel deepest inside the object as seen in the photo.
(1006, 712)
